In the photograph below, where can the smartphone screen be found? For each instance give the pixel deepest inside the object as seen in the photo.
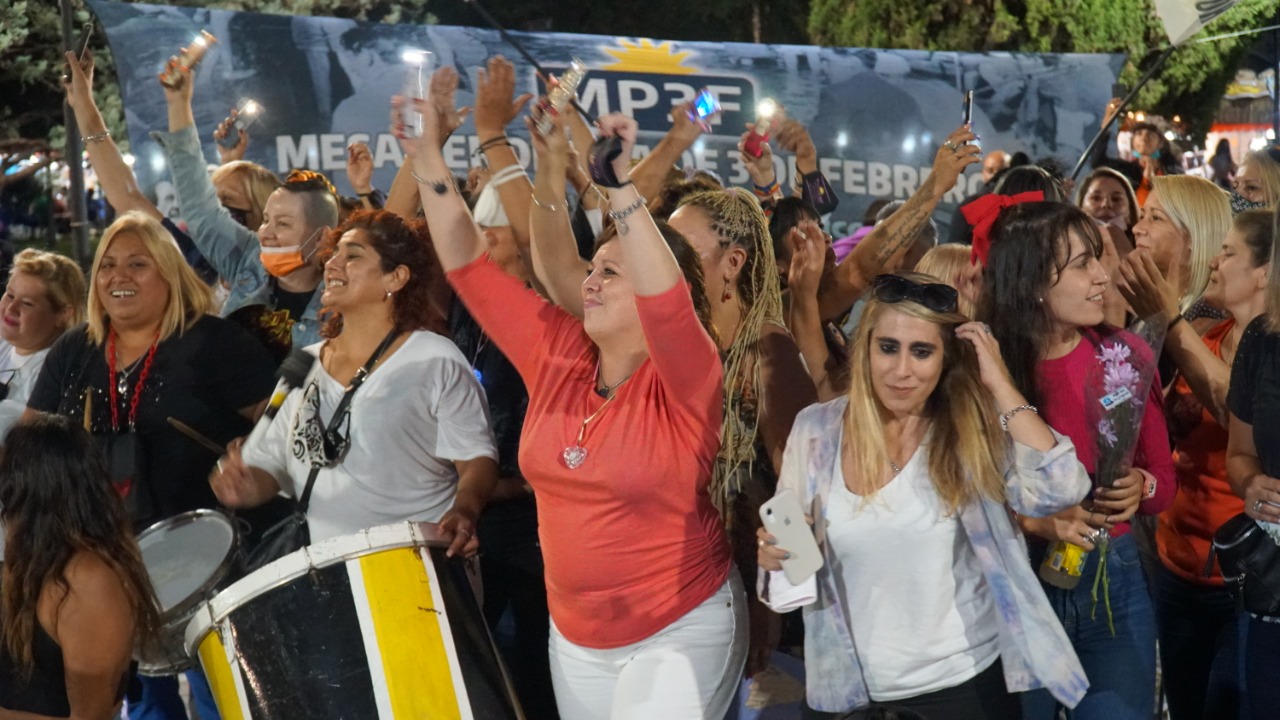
(705, 104)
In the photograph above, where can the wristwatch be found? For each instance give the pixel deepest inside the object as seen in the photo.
(1148, 485)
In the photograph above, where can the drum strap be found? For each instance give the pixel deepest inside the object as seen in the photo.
(341, 411)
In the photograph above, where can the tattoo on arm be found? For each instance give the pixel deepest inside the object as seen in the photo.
(914, 214)
(441, 186)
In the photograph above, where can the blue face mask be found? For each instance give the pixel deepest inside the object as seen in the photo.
(1240, 203)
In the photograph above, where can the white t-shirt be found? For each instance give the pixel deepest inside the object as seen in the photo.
(922, 616)
(419, 410)
(20, 372)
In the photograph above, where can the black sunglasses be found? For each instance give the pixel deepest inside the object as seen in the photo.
(893, 289)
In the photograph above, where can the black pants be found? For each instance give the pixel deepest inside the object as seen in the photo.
(984, 697)
(1199, 649)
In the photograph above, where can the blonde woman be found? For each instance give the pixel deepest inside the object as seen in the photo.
(1182, 225)
(150, 352)
(951, 264)
(44, 297)
(907, 477)
(1257, 182)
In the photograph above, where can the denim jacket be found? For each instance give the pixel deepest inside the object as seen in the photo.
(1034, 649)
(230, 247)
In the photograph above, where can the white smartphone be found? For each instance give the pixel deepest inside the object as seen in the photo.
(784, 519)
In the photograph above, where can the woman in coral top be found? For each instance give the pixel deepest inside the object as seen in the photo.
(622, 430)
(1197, 616)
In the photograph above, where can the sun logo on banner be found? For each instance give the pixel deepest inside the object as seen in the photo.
(646, 56)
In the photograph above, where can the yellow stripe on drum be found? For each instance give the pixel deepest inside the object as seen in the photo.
(413, 642)
(222, 677)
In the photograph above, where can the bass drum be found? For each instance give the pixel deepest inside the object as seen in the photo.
(379, 624)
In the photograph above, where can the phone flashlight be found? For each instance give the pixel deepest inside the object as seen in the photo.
(246, 114)
(190, 56)
(417, 73)
(768, 111)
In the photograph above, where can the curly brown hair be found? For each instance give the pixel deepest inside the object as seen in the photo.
(397, 242)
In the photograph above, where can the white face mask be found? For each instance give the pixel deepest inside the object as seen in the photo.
(488, 211)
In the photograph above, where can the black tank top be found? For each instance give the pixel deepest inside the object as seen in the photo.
(45, 692)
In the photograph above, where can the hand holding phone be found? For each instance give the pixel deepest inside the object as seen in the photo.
(768, 113)
(784, 519)
(187, 58)
(704, 109)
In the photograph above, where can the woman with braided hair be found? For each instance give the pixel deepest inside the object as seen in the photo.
(765, 381)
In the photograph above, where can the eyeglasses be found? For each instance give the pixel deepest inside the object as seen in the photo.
(892, 289)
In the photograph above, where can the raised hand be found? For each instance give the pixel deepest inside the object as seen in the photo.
(555, 144)
(991, 368)
(360, 168)
(443, 90)
(808, 259)
(625, 129)
(237, 151)
(495, 108)
(953, 157)
(760, 169)
(79, 82)
(793, 137)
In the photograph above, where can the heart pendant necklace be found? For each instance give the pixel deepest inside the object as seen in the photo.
(575, 454)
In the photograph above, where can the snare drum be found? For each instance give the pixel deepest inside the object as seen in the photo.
(188, 557)
(378, 624)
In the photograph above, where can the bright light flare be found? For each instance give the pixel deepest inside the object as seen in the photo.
(766, 108)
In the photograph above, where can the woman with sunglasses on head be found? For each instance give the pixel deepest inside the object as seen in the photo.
(925, 599)
(1043, 287)
(618, 444)
(413, 442)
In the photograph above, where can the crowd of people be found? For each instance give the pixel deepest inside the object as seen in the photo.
(1013, 451)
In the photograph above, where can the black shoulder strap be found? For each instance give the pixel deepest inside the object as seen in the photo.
(361, 375)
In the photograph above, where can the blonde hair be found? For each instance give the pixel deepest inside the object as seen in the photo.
(189, 297)
(948, 262)
(1202, 210)
(256, 181)
(1269, 169)
(62, 277)
(968, 451)
(738, 219)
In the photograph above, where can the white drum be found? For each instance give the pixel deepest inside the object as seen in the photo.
(188, 557)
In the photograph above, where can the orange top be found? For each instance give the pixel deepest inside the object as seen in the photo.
(630, 538)
(1205, 500)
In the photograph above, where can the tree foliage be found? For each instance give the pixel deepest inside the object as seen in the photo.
(1191, 84)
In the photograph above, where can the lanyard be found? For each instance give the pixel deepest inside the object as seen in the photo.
(113, 392)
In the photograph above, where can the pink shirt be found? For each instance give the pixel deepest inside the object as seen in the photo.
(1062, 387)
(630, 539)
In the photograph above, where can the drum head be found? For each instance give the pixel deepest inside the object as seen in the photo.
(187, 555)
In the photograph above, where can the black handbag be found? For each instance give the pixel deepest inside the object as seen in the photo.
(292, 533)
(1250, 562)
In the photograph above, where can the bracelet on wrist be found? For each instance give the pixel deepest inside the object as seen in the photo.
(766, 190)
(97, 137)
(1176, 319)
(491, 143)
(1005, 418)
(549, 207)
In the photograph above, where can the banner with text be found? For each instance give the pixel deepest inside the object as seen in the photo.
(876, 116)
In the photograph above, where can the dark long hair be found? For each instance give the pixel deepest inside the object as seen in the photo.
(56, 500)
(397, 242)
(1029, 247)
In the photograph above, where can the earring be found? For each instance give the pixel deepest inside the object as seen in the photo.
(728, 290)
(387, 296)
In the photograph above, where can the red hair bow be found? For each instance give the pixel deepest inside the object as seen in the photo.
(982, 214)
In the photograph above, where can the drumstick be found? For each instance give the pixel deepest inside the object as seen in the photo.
(192, 433)
(88, 408)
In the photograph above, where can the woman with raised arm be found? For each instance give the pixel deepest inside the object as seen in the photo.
(76, 595)
(622, 431)
(925, 599)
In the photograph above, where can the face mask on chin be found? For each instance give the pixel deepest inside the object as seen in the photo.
(282, 261)
(1240, 203)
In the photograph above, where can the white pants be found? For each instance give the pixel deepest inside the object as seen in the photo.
(688, 670)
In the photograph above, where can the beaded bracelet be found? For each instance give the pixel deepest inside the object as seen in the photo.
(97, 137)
